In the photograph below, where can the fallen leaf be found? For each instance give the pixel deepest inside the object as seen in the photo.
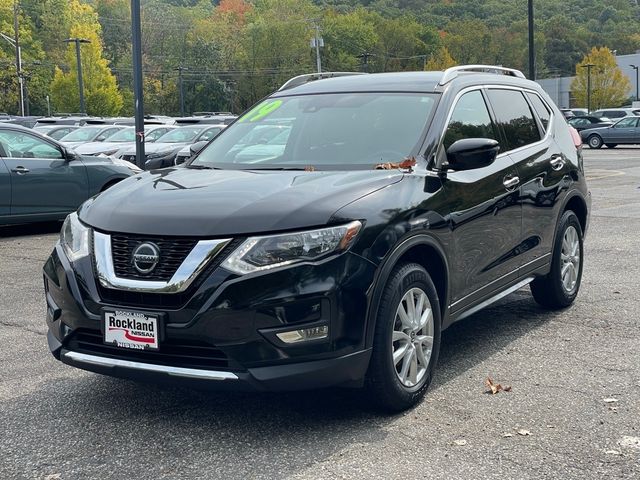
(407, 164)
(507, 434)
(524, 432)
(610, 400)
(495, 387)
(53, 476)
(309, 168)
(613, 452)
(460, 443)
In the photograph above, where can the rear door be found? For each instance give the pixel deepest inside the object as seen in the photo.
(541, 169)
(485, 218)
(42, 180)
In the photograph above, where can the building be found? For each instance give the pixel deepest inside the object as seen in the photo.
(559, 88)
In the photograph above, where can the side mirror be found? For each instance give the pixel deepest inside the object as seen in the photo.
(470, 153)
(69, 154)
(197, 147)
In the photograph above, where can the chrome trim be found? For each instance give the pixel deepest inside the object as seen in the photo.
(150, 367)
(191, 267)
(548, 254)
(495, 298)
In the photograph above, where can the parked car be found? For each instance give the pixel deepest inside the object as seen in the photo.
(206, 119)
(625, 131)
(615, 113)
(587, 121)
(90, 133)
(123, 139)
(402, 203)
(163, 152)
(186, 152)
(55, 131)
(77, 120)
(41, 179)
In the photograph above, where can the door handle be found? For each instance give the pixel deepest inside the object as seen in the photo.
(510, 182)
(557, 162)
(20, 170)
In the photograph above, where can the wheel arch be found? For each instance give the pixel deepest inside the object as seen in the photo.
(577, 205)
(424, 250)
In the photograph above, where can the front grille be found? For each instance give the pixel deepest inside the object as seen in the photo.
(174, 353)
(173, 251)
(165, 300)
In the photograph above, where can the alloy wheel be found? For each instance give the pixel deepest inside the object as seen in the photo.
(570, 259)
(412, 339)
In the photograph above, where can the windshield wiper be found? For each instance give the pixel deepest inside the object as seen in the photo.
(302, 169)
(201, 167)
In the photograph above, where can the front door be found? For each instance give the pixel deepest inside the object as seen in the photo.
(42, 180)
(5, 190)
(622, 132)
(485, 218)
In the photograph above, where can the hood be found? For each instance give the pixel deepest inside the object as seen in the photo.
(94, 148)
(587, 131)
(73, 144)
(213, 203)
(155, 147)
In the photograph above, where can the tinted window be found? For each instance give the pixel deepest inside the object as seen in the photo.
(614, 114)
(541, 109)
(514, 116)
(22, 145)
(470, 119)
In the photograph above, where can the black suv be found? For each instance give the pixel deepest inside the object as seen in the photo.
(327, 237)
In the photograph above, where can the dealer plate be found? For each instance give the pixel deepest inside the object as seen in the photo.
(132, 330)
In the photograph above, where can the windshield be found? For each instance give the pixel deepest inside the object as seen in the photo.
(124, 135)
(182, 134)
(82, 134)
(323, 131)
(43, 128)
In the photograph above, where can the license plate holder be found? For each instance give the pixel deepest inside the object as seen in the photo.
(132, 330)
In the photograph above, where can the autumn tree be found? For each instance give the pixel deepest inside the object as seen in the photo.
(440, 60)
(102, 96)
(609, 86)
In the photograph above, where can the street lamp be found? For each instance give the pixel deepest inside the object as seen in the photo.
(635, 67)
(532, 50)
(180, 86)
(78, 41)
(588, 66)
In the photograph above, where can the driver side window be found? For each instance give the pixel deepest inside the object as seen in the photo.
(470, 119)
(626, 123)
(17, 144)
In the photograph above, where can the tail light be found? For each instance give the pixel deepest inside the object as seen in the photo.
(577, 140)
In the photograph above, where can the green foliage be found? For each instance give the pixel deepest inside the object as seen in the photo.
(609, 87)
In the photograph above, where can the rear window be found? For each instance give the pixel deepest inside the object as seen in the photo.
(541, 109)
(514, 116)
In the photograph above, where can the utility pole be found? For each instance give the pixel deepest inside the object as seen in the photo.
(78, 41)
(635, 67)
(316, 42)
(136, 45)
(18, 56)
(588, 66)
(48, 106)
(532, 48)
(180, 86)
(364, 56)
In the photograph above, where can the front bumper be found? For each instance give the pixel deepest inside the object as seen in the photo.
(230, 322)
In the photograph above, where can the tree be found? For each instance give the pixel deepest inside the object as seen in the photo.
(440, 60)
(609, 86)
(101, 91)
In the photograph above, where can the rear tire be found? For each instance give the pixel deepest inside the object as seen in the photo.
(611, 145)
(595, 141)
(406, 341)
(559, 288)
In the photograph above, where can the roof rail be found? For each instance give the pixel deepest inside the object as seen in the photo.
(451, 73)
(310, 77)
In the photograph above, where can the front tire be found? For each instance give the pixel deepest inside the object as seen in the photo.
(595, 141)
(611, 145)
(559, 288)
(406, 341)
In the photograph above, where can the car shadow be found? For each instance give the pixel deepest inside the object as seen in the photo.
(38, 228)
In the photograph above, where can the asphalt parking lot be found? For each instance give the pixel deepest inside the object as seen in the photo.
(573, 412)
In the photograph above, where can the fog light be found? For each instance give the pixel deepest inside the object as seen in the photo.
(304, 335)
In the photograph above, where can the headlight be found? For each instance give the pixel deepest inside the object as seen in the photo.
(264, 253)
(74, 238)
(131, 166)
